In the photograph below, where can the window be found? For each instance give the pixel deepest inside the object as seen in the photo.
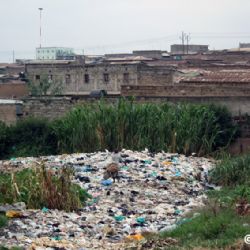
(37, 77)
(67, 78)
(126, 77)
(106, 77)
(86, 78)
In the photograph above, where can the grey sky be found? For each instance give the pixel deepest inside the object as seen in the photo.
(106, 26)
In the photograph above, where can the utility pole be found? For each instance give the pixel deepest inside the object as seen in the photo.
(188, 39)
(13, 56)
(40, 9)
(182, 37)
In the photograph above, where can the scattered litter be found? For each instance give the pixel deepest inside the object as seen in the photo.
(14, 214)
(153, 194)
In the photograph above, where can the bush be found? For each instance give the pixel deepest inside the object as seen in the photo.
(39, 188)
(232, 171)
(32, 137)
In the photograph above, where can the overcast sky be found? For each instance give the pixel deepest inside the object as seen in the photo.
(107, 26)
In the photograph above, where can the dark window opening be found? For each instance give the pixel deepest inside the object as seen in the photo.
(67, 78)
(86, 78)
(126, 77)
(37, 77)
(106, 77)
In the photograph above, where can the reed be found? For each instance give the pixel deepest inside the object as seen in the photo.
(183, 128)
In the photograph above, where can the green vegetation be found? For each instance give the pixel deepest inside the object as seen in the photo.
(226, 216)
(40, 188)
(232, 171)
(3, 221)
(32, 137)
(183, 128)
(210, 230)
(45, 85)
(4, 139)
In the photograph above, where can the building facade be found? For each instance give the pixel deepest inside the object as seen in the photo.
(54, 53)
(76, 77)
(188, 49)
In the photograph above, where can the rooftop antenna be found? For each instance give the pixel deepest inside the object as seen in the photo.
(40, 10)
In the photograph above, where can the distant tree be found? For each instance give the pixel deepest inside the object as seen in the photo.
(45, 86)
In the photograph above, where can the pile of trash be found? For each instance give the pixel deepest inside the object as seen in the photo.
(154, 193)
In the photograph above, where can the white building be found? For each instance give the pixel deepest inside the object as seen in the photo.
(54, 53)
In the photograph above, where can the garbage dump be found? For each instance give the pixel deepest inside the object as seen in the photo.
(154, 192)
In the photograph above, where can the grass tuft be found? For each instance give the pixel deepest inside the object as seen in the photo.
(232, 171)
(39, 188)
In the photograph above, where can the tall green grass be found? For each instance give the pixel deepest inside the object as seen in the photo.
(183, 128)
(232, 171)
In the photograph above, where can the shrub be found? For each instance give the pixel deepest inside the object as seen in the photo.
(4, 139)
(32, 137)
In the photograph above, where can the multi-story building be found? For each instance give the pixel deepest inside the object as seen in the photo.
(54, 53)
(78, 77)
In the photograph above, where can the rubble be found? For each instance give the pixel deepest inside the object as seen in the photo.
(154, 193)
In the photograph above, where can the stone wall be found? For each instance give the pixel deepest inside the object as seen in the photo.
(181, 90)
(55, 107)
(10, 111)
(49, 108)
(77, 78)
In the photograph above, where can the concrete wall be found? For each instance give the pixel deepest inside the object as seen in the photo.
(153, 76)
(192, 48)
